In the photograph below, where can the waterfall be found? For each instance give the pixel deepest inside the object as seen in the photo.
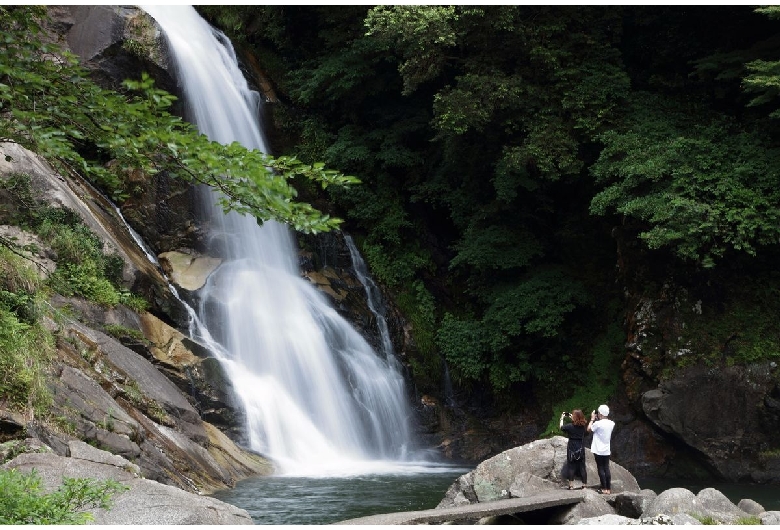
(373, 299)
(318, 399)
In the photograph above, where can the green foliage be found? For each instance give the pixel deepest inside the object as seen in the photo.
(133, 301)
(592, 383)
(25, 502)
(25, 345)
(515, 318)
(499, 146)
(73, 241)
(56, 111)
(705, 519)
(19, 284)
(85, 280)
(25, 353)
(763, 80)
(422, 34)
(83, 268)
(495, 247)
(701, 189)
(536, 306)
(463, 342)
(740, 330)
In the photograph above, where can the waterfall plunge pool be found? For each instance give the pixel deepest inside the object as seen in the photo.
(286, 500)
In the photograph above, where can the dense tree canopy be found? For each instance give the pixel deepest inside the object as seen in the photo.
(499, 147)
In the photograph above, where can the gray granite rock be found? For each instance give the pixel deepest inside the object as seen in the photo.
(146, 502)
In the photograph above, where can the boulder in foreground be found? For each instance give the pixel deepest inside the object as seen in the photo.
(146, 502)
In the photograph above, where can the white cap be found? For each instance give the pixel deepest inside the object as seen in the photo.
(604, 410)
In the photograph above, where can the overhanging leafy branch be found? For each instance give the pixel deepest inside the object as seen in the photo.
(49, 105)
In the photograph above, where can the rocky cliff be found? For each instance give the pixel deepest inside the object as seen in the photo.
(691, 411)
(122, 380)
(115, 395)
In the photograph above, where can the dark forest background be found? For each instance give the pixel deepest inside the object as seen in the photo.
(526, 169)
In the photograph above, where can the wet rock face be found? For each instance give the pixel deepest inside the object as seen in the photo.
(730, 428)
(198, 375)
(134, 407)
(114, 42)
(163, 212)
(325, 261)
(708, 419)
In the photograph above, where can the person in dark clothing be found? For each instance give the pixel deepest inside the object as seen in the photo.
(575, 450)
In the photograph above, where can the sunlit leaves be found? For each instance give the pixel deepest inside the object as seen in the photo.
(423, 35)
(763, 80)
(701, 189)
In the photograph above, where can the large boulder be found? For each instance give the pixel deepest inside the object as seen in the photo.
(750, 506)
(719, 507)
(113, 42)
(730, 434)
(672, 502)
(145, 502)
(527, 470)
(187, 269)
(708, 504)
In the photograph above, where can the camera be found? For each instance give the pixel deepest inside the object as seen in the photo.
(567, 414)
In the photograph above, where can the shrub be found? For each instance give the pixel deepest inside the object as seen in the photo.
(25, 351)
(23, 501)
(19, 286)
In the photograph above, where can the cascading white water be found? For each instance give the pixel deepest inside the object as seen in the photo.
(373, 299)
(318, 400)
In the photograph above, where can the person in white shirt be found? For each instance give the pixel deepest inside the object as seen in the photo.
(602, 427)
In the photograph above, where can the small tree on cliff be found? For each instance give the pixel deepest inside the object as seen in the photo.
(50, 106)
